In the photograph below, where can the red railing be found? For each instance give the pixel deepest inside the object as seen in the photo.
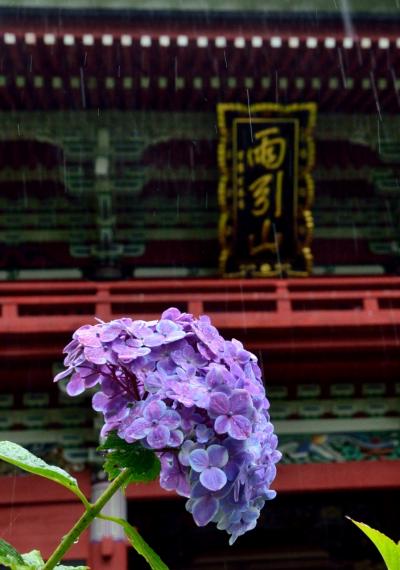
(356, 313)
(232, 304)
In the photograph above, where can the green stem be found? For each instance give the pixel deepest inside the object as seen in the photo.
(91, 512)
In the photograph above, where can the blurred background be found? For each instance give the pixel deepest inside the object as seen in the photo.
(123, 191)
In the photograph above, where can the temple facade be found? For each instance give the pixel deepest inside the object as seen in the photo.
(110, 169)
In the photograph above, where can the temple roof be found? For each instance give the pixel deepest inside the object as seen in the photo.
(184, 64)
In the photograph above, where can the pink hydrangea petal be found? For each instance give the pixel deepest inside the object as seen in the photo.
(154, 340)
(171, 419)
(219, 404)
(186, 449)
(173, 337)
(158, 437)
(198, 460)
(92, 379)
(165, 326)
(100, 401)
(240, 402)
(133, 342)
(110, 332)
(171, 314)
(139, 428)
(221, 424)
(63, 374)
(90, 337)
(95, 355)
(154, 410)
(204, 510)
(76, 385)
(153, 383)
(239, 427)
(176, 438)
(218, 455)
(213, 478)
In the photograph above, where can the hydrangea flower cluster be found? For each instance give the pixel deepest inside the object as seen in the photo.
(197, 400)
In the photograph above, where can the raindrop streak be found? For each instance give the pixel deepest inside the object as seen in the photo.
(379, 137)
(375, 92)
(341, 65)
(394, 78)
(346, 17)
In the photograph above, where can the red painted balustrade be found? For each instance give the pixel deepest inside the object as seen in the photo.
(359, 316)
(317, 313)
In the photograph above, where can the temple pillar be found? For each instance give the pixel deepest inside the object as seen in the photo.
(108, 545)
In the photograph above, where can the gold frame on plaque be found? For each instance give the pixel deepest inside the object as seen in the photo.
(303, 115)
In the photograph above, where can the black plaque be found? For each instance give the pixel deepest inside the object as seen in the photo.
(266, 189)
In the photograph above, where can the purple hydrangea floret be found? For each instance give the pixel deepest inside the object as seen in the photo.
(178, 387)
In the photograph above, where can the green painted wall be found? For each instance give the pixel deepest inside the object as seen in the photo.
(293, 6)
(103, 202)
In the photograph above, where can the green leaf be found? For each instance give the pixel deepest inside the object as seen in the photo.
(142, 463)
(33, 560)
(10, 557)
(389, 550)
(22, 458)
(63, 567)
(139, 544)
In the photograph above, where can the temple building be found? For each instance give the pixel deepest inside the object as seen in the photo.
(237, 159)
